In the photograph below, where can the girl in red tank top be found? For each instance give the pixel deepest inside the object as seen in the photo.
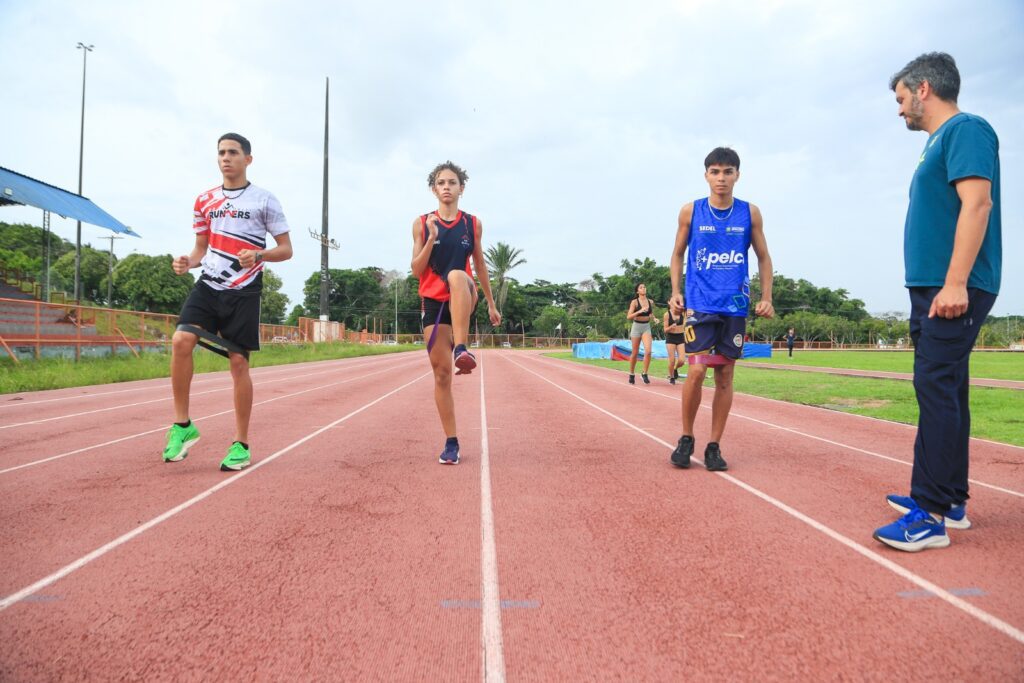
(444, 243)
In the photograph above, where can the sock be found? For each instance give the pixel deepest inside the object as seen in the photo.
(244, 445)
(184, 425)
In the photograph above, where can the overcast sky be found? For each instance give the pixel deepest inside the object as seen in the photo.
(583, 125)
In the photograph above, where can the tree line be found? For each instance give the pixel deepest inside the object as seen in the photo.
(596, 307)
(374, 298)
(140, 282)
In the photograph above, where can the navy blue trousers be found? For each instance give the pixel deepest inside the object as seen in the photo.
(942, 351)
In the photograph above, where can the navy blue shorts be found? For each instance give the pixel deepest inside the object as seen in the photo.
(722, 333)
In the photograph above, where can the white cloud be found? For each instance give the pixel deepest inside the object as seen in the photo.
(583, 124)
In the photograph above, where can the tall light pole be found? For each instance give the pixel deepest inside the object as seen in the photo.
(86, 49)
(110, 268)
(324, 273)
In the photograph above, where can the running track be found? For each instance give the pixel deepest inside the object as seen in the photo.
(564, 547)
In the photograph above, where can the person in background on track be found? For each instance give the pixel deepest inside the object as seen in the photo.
(444, 242)
(715, 235)
(641, 312)
(790, 340)
(231, 223)
(674, 340)
(952, 251)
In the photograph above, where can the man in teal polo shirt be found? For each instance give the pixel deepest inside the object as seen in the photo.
(953, 258)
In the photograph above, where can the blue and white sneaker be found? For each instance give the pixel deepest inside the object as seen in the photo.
(913, 532)
(955, 518)
(450, 454)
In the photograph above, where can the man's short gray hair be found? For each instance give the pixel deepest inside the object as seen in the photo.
(938, 68)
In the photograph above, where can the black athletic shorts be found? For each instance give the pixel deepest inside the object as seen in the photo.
(677, 338)
(429, 309)
(230, 314)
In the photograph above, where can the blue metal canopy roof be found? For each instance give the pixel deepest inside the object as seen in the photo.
(16, 188)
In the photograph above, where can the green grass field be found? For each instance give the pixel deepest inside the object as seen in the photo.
(988, 364)
(60, 374)
(996, 414)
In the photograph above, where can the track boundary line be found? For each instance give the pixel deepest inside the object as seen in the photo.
(201, 379)
(881, 456)
(981, 382)
(490, 597)
(154, 400)
(804, 405)
(205, 417)
(124, 538)
(919, 581)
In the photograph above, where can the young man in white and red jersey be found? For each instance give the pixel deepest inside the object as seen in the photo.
(231, 223)
(715, 234)
(443, 242)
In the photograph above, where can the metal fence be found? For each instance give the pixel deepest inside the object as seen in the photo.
(34, 329)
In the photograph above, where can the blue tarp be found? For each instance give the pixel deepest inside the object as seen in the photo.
(604, 349)
(757, 350)
(624, 346)
(16, 188)
(592, 350)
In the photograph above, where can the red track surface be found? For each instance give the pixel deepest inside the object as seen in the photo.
(347, 552)
(878, 374)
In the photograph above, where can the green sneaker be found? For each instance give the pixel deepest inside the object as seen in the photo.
(179, 440)
(238, 458)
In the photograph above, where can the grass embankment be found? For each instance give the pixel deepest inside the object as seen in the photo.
(60, 374)
(987, 364)
(996, 414)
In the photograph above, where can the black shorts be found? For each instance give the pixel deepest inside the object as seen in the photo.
(676, 338)
(232, 315)
(428, 312)
(723, 333)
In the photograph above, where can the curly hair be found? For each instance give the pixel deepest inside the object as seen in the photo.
(448, 166)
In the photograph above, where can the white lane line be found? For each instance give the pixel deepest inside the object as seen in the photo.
(976, 482)
(156, 400)
(979, 614)
(142, 528)
(163, 427)
(155, 383)
(490, 599)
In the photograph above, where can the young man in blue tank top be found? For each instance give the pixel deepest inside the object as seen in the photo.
(715, 235)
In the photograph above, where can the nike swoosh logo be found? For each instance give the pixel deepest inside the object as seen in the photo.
(915, 537)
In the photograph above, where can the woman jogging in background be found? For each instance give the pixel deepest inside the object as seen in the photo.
(641, 311)
(674, 340)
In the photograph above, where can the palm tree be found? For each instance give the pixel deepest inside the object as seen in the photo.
(501, 258)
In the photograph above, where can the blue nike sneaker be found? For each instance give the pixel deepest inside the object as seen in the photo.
(955, 517)
(914, 532)
(450, 454)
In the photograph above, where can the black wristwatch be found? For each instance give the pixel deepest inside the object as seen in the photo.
(259, 256)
